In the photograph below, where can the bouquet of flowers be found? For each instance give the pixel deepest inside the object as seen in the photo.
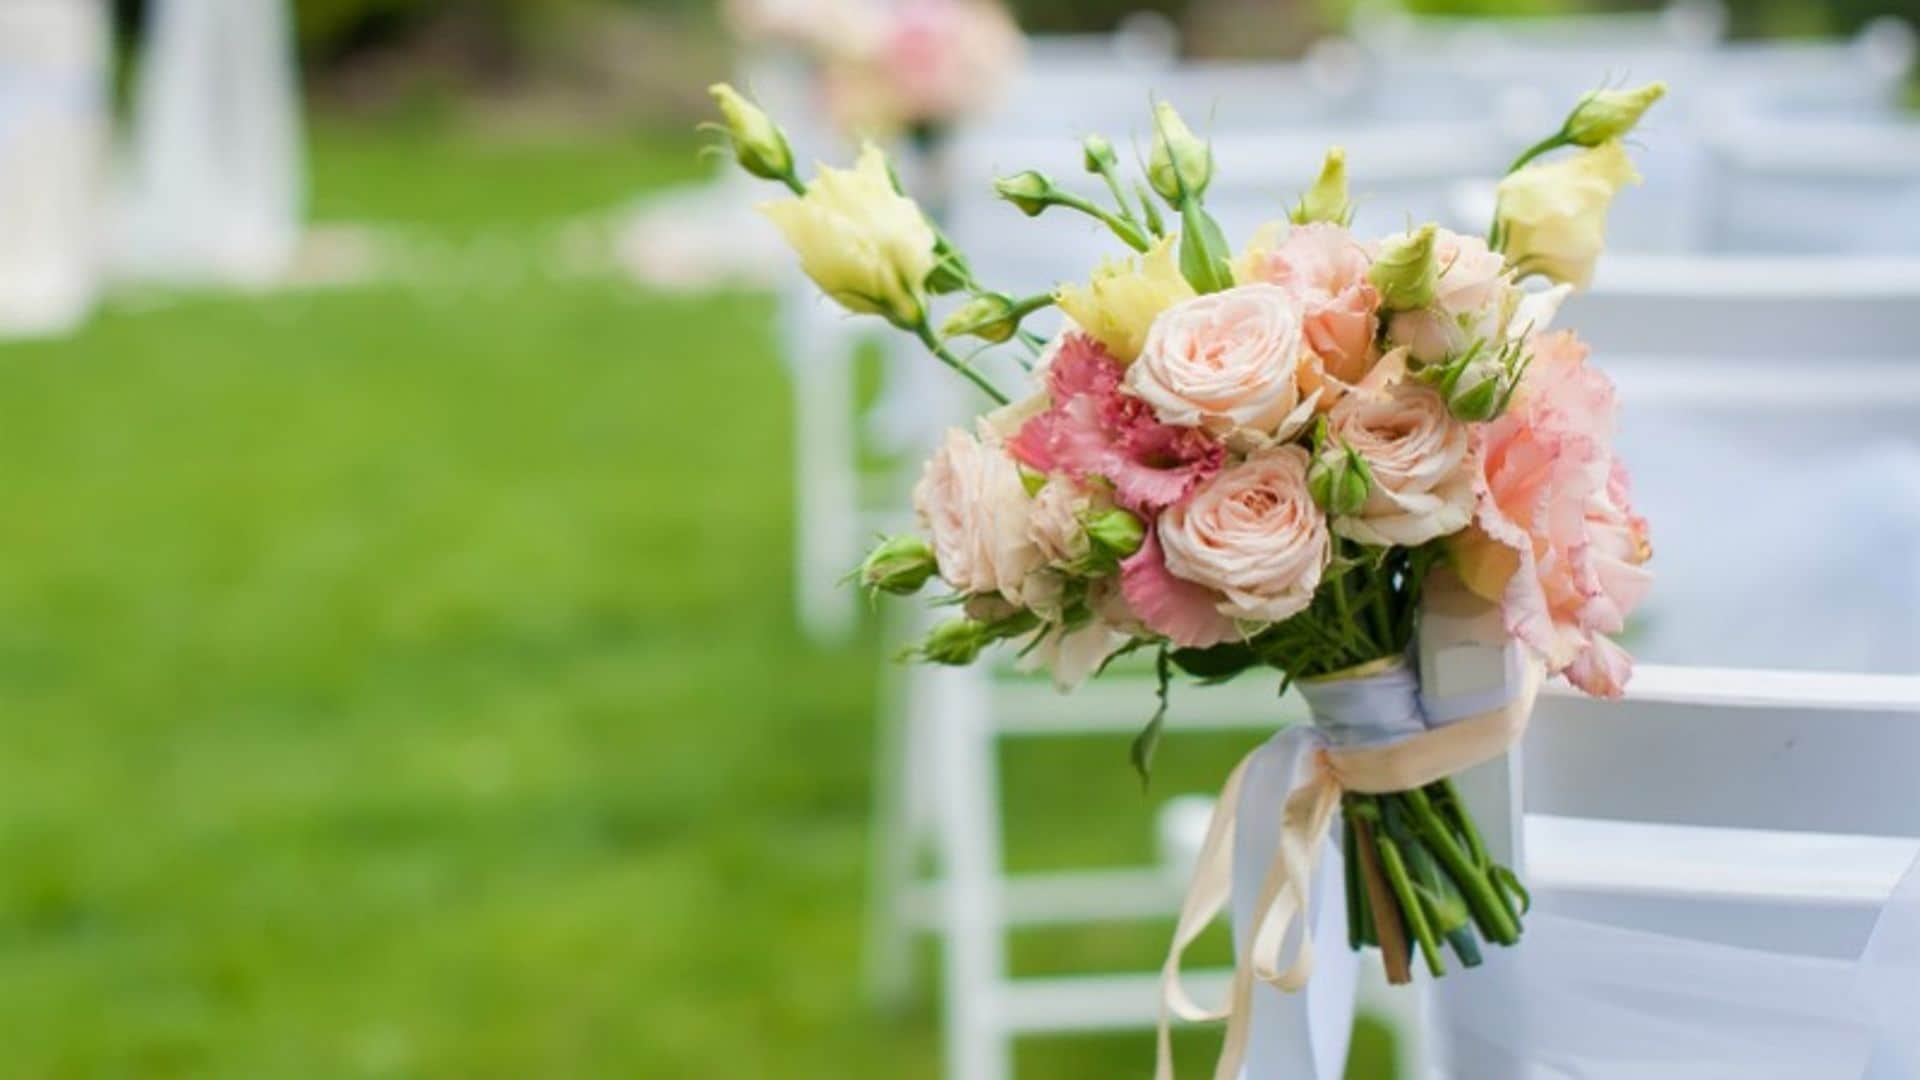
(1276, 459)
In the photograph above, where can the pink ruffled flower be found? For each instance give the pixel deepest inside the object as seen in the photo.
(1187, 614)
(1556, 540)
(1093, 428)
(1326, 271)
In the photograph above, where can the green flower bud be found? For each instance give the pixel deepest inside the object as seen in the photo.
(1180, 164)
(1340, 482)
(758, 142)
(1605, 115)
(1116, 532)
(1032, 192)
(1478, 398)
(1407, 271)
(1327, 199)
(951, 271)
(1098, 154)
(899, 565)
(989, 317)
(956, 642)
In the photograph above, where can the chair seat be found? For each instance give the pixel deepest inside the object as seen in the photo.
(1694, 862)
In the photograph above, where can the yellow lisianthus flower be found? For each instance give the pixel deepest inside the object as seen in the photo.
(866, 245)
(1552, 218)
(1118, 306)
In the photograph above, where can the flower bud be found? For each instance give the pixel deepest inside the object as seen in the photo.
(1098, 156)
(1116, 532)
(1407, 270)
(758, 142)
(1479, 392)
(989, 317)
(899, 565)
(1327, 199)
(956, 642)
(1032, 192)
(1180, 164)
(1605, 115)
(951, 272)
(1340, 482)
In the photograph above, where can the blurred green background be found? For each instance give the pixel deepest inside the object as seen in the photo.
(372, 659)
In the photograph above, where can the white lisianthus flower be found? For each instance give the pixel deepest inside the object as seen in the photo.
(866, 245)
(1552, 219)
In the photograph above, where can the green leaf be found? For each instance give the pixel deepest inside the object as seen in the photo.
(1203, 250)
(1217, 662)
(1148, 741)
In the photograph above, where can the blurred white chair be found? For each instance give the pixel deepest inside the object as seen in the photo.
(1815, 185)
(1707, 858)
(1785, 510)
(1675, 307)
(215, 187)
(942, 798)
(53, 143)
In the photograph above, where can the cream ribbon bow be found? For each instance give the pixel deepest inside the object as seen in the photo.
(1286, 891)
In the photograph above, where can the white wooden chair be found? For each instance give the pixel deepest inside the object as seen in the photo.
(1681, 306)
(941, 796)
(54, 133)
(1814, 184)
(215, 187)
(1770, 810)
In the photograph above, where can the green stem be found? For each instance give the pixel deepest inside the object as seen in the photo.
(926, 335)
(1463, 823)
(1410, 906)
(1545, 146)
(1129, 232)
(1488, 907)
(793, 183)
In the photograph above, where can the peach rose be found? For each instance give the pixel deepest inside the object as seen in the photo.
(1419, 455)
(1473, 301)
(1252, 534)
(1556, 541)
(971, 502)
(1325, 270)
(1225, 362)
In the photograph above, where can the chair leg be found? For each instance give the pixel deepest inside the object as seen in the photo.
(899, 831)
(978, 1044)
(826, 486)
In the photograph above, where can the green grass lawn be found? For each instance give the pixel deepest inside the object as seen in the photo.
(400, 681)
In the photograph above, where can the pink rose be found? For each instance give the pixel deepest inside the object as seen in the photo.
(1556, 540)
(972, 503)
(1420, 457)
(1252, 534)
(1472, 301)
(1325, 270)
(1225, 362)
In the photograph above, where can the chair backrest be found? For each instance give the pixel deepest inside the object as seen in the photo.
(1751, 749)
(1807, 185)
(1669, 307)
(1785, 511)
